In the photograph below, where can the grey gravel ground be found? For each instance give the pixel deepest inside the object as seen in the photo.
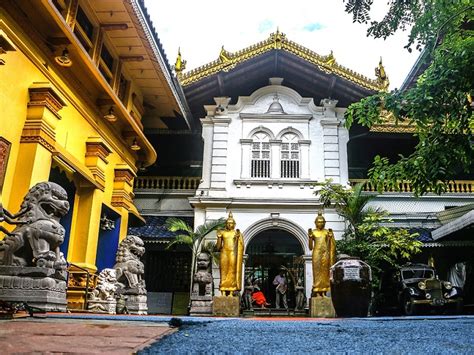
(360, 336)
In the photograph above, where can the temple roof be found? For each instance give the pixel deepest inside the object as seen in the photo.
(242, 72)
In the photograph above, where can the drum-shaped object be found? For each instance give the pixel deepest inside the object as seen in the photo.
(350, 287)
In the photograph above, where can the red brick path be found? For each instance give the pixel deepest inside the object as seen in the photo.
(77, 336)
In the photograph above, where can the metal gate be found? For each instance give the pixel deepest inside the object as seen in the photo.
(268, 253)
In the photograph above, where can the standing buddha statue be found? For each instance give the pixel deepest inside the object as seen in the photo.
(230, 243)
(323, 245)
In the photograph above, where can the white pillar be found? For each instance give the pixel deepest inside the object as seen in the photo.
(304, 149)
(246, 158)
(207, 136)
(275, 158)
(308, 271)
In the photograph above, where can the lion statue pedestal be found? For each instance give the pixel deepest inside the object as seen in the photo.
(129, 271)
(201, 296)
(32, 269)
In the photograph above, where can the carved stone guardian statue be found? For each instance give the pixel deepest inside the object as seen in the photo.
(102, 298)
(129, 271)
(32, 268)
(201, 296)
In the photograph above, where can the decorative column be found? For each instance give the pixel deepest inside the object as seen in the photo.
(85, 227)
(37, 140)
(304, 149)
(246, 151)
(220, 147)
(275, 145)
(96, 159)
(330, 125)
(207, 134)
(122, 195)
(308, 279)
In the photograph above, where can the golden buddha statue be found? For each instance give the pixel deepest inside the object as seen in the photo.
(323, 245)
(230, 243)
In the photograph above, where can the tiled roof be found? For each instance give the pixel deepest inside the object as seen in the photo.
(155, 227)
(424, 234)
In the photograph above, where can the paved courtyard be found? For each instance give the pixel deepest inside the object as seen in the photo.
(85, 333)
(416, 335)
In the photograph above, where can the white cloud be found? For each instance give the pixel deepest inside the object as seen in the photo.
(200, 28)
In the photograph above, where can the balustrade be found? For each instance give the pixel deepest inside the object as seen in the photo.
(457, 186)
(167, 182)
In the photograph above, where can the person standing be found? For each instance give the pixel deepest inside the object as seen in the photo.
(281, 287)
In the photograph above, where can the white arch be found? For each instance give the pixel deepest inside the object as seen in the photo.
(261, 129)
(277, 223)
(290, 130)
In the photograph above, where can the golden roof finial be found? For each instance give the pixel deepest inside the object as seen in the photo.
(223, 55)
(330, 59)
(277, 38)
(180, 64)
(382, 77)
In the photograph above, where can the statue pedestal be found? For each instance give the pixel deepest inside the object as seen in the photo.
(226, 306)
(136, 304)
(321, 307)
(201, 305)
(40, 287)
(102, 306)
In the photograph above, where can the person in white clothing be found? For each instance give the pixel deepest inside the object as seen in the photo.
(281, 287)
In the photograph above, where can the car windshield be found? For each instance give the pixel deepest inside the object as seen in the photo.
(417, 274)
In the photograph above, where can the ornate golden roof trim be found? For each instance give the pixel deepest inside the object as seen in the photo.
(277, 40)
(390, 125)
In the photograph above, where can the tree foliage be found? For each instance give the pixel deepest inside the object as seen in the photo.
(192, 239)
(367, 235)
(439, 106)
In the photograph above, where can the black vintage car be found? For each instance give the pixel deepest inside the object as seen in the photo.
(415, 288)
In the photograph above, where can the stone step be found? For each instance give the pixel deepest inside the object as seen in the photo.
(274, 312)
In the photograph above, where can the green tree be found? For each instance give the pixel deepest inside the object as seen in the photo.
(439, 106)
(194, 239)
(367, 235)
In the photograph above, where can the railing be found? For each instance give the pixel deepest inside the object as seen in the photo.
(457, 186)
(167, 182)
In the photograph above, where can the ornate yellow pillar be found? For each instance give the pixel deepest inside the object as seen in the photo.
(122, 195)
(85, 227)
(88, 208)
(37, 141)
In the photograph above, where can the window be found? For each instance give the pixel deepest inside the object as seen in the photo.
(260, 162)
(84, 30)
(106, 62)
(290, 156)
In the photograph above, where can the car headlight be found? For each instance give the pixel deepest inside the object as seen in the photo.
(422, 285)
(447, 285)
(428, 296)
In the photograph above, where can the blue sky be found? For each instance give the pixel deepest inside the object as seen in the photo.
(200, 28)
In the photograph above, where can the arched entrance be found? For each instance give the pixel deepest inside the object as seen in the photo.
(266, 253)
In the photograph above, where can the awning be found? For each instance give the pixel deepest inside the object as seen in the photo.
(456, 225)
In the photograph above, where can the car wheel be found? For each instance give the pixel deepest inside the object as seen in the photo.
(409, 307)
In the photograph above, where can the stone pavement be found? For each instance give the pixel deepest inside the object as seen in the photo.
(55, 335)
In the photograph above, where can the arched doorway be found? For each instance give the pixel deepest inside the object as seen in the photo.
(266, 253)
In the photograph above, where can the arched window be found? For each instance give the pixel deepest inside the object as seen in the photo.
(290, 156)
(260, 162)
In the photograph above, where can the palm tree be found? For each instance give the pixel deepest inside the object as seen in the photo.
(194, 239)
(351, 204)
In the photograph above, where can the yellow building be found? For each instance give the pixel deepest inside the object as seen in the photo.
(79, 80)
